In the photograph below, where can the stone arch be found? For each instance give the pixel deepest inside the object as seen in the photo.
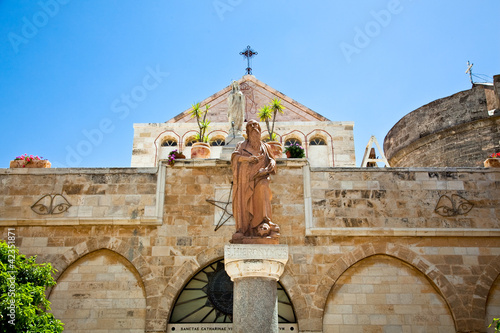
(104, 242)
(190, 140)
(186, 272)
(217, 138)
(295, 135)
(299, 301)
(204, 258)
(440, 282)
(152, 284)
(319, 137)
(169, 141)
(481, 291)
(89, 286)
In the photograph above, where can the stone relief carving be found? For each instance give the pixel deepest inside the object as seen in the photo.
(453, 205)
(51, 204)
(223, 200)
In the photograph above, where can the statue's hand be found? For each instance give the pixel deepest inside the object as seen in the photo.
(253, 159)
(262, 173)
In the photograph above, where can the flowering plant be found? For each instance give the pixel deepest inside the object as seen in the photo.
(295, 151)
(173, 155)
(497, 155)
(28, 159)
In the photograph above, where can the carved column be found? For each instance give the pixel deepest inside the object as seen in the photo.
(255, 270)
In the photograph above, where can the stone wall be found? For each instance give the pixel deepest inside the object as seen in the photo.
(101, 292)
(388, 296)
(455, 131)
(344, 227)
(86, 196)
(337, 135)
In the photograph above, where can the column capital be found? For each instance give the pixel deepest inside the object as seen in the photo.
(255, 260)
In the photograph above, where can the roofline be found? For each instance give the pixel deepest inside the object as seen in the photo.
(251, 78)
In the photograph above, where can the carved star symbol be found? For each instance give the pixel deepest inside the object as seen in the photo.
(226, 207)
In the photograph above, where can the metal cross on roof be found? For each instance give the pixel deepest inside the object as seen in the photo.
(248, 53)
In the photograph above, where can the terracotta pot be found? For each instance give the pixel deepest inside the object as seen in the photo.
(276, 148)
(288, 154)
(34, 164)
(200, 150)
(492, 163)
(179, 156)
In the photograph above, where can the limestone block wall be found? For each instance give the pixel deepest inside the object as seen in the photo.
(78, 196)
(388, 296)
(366, 246)
(338, 136)
(455, 131)
(398, 201)
(101, 292)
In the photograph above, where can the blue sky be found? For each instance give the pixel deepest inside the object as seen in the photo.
(66, 64)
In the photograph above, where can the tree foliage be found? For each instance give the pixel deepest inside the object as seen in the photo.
(268, 112)
(23, 304)
(201, 120)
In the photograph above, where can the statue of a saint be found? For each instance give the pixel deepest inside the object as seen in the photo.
(236, 109)
(252, 163)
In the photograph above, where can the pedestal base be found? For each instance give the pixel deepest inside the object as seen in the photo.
(255, 270)
(228, 148)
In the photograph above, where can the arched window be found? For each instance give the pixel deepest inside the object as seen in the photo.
(292, 141)
(190, 141)
(208, 298)
(218, 141)
(169, 142)
(317, 141)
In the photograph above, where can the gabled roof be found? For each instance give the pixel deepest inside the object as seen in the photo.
(257, 94)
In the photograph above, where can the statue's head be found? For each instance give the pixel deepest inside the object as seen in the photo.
(253, 131)
(252, 126)
(235, 86)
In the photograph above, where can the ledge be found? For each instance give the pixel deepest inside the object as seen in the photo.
(428, 232)
(80, 221)
(64, 171)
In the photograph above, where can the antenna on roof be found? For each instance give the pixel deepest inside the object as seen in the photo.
(469, 70)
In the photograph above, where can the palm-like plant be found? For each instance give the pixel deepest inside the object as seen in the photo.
(269, 111)
(201, 119)
(264, 115)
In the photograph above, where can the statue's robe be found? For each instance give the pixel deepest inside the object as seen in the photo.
(251, 195)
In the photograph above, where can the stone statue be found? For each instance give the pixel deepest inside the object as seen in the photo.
(236, 109)
(252, 163)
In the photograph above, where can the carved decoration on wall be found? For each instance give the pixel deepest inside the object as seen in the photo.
(453, 206)
(251, 104)
(226, 206)
(51, 204)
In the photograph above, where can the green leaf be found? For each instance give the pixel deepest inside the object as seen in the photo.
(265, 113)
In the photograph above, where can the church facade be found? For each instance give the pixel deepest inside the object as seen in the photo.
(141, 249)
(327, 143)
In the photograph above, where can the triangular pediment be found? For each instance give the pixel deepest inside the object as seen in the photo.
(257, 94)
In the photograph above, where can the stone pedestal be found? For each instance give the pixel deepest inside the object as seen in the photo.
(231, 141)
(255, 270)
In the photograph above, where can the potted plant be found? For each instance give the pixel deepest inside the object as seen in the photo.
(29, 161)
(493, 161)
(295, 151)
(266, 113)
(201, 149)
(174, 155)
